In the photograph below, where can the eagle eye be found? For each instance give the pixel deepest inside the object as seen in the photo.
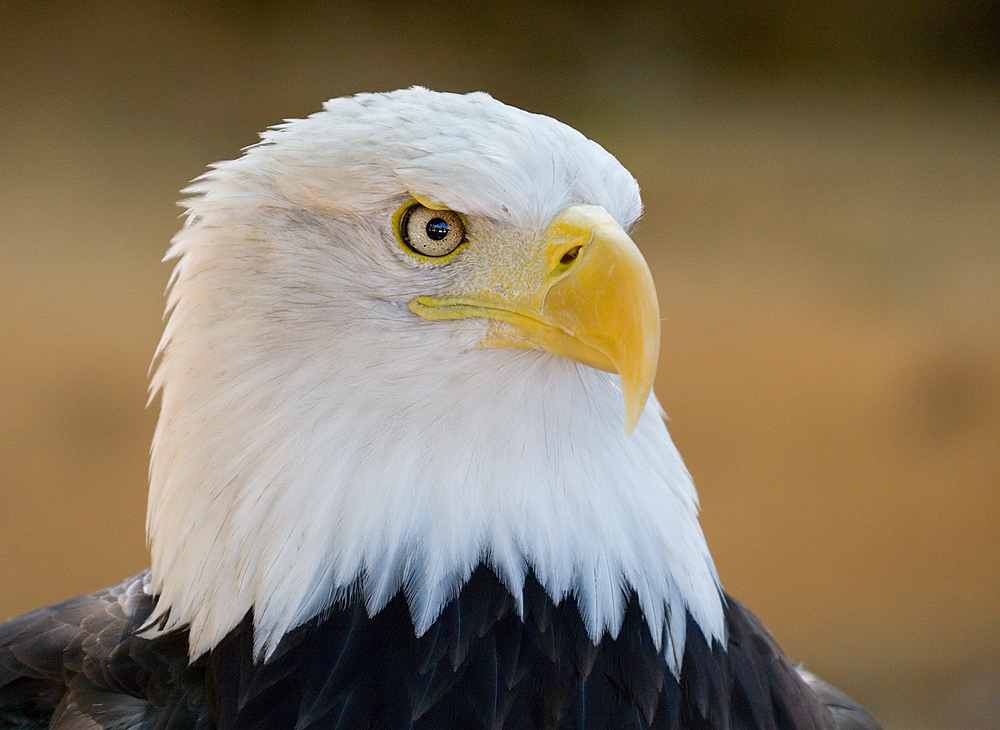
(429, 232)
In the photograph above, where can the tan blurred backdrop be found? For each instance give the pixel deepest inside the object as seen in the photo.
(822, 190)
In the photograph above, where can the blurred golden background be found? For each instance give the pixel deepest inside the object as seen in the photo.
(822, 187)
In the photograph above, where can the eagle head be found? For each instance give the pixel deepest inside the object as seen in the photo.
(408, 335)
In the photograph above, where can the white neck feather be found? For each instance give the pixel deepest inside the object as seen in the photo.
(279, 486)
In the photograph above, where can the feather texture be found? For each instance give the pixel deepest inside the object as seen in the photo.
(481, 664)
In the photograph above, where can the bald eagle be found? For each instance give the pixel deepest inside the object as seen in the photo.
(408, 471)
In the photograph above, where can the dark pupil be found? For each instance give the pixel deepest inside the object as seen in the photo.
(437, 229)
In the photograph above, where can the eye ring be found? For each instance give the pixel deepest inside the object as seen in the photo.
(430, 233)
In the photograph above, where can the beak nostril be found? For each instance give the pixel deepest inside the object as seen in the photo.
(570, 255)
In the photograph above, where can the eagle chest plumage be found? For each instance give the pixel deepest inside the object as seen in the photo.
(482, 664)
(408, 470)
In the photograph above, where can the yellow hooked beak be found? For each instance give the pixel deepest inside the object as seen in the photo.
(586, 294)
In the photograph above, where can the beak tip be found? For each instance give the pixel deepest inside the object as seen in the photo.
(634, 407)
(636, 388)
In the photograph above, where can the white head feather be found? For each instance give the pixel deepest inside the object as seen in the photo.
(317, 438)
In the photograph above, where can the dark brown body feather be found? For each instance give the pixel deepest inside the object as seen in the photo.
(80, 665)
